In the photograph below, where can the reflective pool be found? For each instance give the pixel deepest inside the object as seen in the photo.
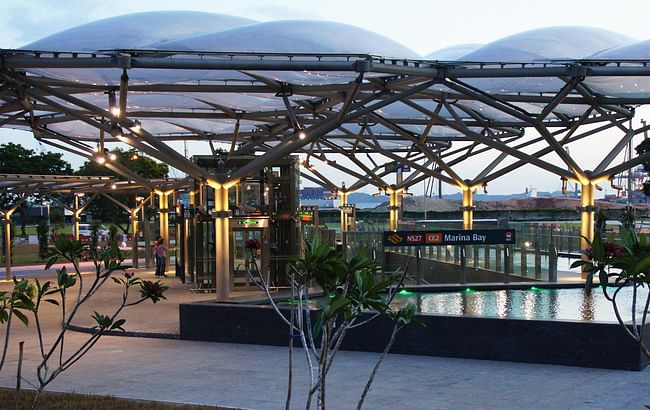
(534, 303)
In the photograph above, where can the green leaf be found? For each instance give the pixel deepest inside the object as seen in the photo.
(118, 324)
(51, 262)
(336, 305)
(21, 316)
(598, 248)
(52, 301)
(61, 277)
(642, 264)
(628, 236)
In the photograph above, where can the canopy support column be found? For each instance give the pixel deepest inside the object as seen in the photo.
(394, 208)
(222, 242)
(343, 195)
(468, 208)
(134, 237)
(76, 217)
(7, 241)
(163, 209)
(587, 210)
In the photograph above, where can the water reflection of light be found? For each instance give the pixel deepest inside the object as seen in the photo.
(502, 304)
(587, 306)
(562, 304)
(553, 303)
(475, 303)
(530, 303)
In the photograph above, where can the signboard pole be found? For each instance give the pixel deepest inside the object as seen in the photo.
(418, 274)
(506, 265)
(463, 264)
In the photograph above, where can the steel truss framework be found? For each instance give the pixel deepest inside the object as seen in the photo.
(359, 114)
(372, 111)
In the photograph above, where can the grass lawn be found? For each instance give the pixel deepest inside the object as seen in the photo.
(28, 255)
(74, 401)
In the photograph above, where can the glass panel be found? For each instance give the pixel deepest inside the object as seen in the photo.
(242, 256)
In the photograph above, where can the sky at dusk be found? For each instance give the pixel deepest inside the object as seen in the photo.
(423, 26)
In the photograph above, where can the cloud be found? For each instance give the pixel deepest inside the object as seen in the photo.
(265, 12)
(28, 21)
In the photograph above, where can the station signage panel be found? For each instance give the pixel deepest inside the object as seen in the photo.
(449, 237)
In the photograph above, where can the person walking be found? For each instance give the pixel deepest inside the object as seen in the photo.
(161, 257)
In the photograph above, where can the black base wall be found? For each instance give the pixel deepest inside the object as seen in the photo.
(587, 344)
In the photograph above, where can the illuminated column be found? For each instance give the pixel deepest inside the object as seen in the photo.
(222, 241)
(163, 210)
(134, 237)
(8, 244)
(344, 201)
(468, 208)
(394, 207)
(76, 217)
(586, 217)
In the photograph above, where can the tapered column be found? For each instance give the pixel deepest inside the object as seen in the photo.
(7, 222)
(76, 217)
(468, 208)
(163, 210)
(587, 209)
(134, 237)
(222, 242)
(343, 196)
(394, 208)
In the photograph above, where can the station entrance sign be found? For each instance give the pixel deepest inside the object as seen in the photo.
(448, 237)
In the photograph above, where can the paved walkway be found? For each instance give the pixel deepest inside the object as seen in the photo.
(254, 377)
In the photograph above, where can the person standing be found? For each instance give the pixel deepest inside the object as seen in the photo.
(161, 257)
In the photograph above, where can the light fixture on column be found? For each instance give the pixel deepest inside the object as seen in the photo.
(113, 108)
(99, 158)
(137, 126)
(564, 185)
(484, 185)
(302, 134)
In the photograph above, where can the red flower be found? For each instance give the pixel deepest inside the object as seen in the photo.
(613, 250)
(153, 290)
(253, 244)
(128, 275)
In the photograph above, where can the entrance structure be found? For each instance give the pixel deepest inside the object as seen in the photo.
(466, 122)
